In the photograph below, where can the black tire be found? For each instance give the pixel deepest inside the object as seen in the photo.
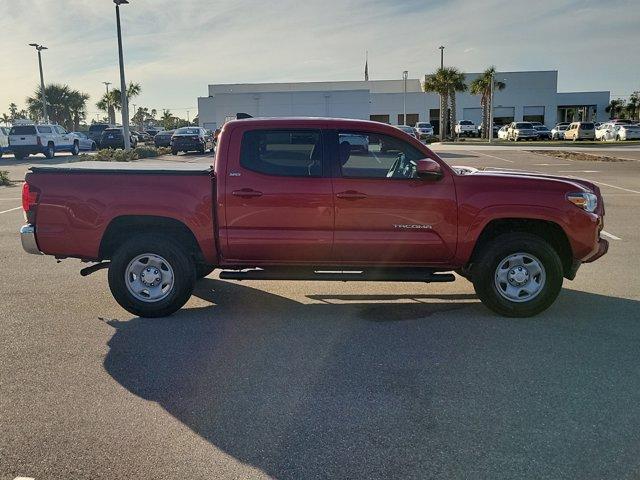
(50, 152)
(20, 155)
(203, 270)
(174, 151)
(75, 150)
(495, 252)
(183, 269)
(94, 147)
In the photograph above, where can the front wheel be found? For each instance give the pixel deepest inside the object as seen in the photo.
(50, 151)
(151, 276)
(517, 275)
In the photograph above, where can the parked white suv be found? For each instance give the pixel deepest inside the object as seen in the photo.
(4, 139)
(465, 128)
(29, 139)
(424, 129)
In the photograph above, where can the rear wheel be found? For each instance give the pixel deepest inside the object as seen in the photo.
(151, 276)
(174, 151)
(517, 275)
(75, 149)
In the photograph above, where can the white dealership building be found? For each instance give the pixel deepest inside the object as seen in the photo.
(531, 96)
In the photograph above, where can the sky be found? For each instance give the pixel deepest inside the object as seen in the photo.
(175, 48)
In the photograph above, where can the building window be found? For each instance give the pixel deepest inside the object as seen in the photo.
(434, 119)
(379, 118)
(289, 153)
(533, 114)
(412, 119)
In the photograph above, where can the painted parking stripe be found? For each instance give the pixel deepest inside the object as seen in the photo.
(24, 478)
(493, 156)
(608, 185)
(10, 210)
(610, 235)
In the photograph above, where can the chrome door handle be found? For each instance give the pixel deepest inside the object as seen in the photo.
(351, 195)
(246, 193)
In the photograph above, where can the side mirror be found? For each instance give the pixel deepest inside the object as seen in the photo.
(428, 169)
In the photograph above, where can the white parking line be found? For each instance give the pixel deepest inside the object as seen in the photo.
(550, 164)
(24, 478)
(578, 171)
(613, 186)
(610, 235)
(492, 156)
(10, 210)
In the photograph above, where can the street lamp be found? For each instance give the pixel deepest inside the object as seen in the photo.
(106, 84)
(441, 47)
(123, 85)
(405, 75)
(39, 48)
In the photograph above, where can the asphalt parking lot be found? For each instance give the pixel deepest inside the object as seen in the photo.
(303, 380)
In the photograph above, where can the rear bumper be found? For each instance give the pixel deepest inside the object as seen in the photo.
(187, 146)
(28, 239)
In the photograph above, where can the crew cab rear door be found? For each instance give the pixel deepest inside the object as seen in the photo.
(278, 197)
(384, 213)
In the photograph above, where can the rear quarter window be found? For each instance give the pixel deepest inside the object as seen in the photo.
(287, 153)
(23, 130)
(44, 129)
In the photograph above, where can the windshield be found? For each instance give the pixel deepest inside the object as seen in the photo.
(541, 127)
(466, 122)
(23, 130)
(188, 131)
(423, 125)
(524, 125)
(586, 126)
(97, 127)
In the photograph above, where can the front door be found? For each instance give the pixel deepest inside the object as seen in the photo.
(278, 198)
(384, 214)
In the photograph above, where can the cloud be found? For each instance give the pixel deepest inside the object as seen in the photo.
(175, 49)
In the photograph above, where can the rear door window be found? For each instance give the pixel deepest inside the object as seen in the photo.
(287, 153)
(44, 129)
(23, 130)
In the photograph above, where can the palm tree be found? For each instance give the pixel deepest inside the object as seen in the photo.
(13, 110)
(437, 83)
(64, 105)
(112, 101)
(633, 106)
(167, 120)
(5, 119)
(614, 108)
(456, 80)
(482, 86)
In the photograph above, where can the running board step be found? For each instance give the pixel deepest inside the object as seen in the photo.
(378, 275)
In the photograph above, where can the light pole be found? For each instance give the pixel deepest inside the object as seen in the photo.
(39, 48)
(106, 84)
(441, 47)
(188, 120)
(123, 85)
(493, 81)
(405, 74)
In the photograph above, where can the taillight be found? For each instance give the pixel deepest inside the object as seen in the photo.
(29, 200)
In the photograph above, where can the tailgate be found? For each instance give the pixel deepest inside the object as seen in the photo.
(19, 140)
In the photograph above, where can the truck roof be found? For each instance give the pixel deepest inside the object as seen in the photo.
(318, 122)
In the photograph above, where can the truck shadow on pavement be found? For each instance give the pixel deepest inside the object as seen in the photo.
(329, 390)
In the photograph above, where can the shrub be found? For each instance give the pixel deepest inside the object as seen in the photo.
(120, 155)
(146, 152)
(4, 178)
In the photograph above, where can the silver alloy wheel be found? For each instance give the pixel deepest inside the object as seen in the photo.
(149, 277)
(520, 277)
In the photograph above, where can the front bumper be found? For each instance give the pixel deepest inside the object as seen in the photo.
(28, 239)
(603, 248)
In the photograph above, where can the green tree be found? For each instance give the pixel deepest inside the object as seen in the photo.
(482, 86)
(615, 108)
(167, 120)
(456, 81)
(13, 110)
(6, 119)
(632, 108)
(64, 105)
(112, 101)
(437, 83)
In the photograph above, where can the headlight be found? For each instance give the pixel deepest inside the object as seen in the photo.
(586, 201)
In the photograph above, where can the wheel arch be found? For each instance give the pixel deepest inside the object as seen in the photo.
(123, 227)
(549, 231)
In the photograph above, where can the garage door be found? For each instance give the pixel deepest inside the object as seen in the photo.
(473, 114)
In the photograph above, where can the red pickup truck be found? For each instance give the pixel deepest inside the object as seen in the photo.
(314, 199)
